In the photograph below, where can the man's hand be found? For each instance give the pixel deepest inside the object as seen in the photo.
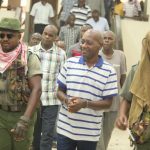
(121, 122)
(75, 104)
(19, 132)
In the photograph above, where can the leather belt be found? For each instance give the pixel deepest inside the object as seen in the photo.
(12, 108)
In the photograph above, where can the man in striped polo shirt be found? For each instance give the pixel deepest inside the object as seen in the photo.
(82, 12)
(86, 86)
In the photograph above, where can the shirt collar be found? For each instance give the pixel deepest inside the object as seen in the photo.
(68, 26)
(43, 4)
(98, 64)
(51, 49)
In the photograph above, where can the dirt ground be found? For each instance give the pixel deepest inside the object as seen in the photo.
(119, 141)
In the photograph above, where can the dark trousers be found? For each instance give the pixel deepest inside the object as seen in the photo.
(108, 4)
(39, 28)
(49, 116)
(37, 131)
(65, 143)
(62, 23)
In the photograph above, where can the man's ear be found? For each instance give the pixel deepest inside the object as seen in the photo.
(101, 43)
(19, 35)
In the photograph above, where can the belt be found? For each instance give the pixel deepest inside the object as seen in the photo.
(12, 108)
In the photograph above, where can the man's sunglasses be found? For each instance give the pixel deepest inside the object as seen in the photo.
(8, 35)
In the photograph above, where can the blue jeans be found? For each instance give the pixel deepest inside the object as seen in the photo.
(49, 116)
(65, 143)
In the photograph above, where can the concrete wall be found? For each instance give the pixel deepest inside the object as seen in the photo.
(5, 13)
(14, 3)
(148, 7)
(132, 34)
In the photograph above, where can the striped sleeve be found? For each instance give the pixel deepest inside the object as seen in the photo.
(111, 88)
(61, 80)
(89, 12)
(63, 59)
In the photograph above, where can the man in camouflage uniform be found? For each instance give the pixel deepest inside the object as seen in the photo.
(135, 98)
(20, 88)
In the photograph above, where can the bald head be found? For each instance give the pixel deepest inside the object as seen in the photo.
(52, 28)
(96, 35)
(108, 41)
(49, 35)
(36, 35)
(35, 39)
(84, 28)
(110, 33)
(90, 45)
(61, 44)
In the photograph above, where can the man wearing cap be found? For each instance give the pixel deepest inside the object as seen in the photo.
(20, 88)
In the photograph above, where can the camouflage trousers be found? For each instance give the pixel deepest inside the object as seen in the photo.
(8, 121)
(145, 146)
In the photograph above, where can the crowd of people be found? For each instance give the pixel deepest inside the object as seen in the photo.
(62, 88)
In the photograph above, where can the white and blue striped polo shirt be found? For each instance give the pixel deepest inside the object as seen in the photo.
(82, 14)
(94, 84)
